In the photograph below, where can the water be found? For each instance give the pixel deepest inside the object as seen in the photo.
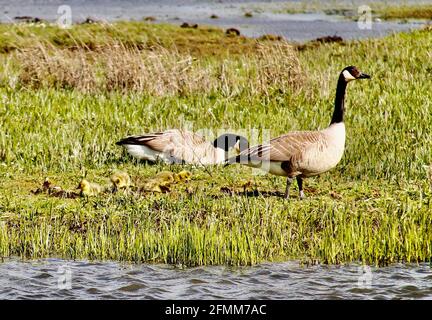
(61, 279)
(295, 27)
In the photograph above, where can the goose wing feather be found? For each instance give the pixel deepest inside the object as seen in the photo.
(289, 147)
(180, 144)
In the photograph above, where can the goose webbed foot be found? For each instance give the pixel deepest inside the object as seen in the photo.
(288, 185)
(300, 186)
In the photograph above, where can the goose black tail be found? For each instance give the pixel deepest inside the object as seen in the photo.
(127, 140)
(139, 140)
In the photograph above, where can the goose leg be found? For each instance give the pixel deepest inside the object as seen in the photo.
(288, 185)
(300, 186)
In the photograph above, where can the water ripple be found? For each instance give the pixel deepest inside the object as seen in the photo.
(62, 279)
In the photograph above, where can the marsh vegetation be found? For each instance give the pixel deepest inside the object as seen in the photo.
(68, 95)
(379, 9)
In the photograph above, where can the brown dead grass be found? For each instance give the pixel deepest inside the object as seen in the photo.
(43, 66)
(159, 71)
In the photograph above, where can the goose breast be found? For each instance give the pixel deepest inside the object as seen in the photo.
(325, 154)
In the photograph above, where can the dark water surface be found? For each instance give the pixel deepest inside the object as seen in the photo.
(266, 17)
(62, 279)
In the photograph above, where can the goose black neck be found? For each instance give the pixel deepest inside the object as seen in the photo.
(339, 107)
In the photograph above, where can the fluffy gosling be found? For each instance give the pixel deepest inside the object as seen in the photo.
(153, 186)
(182, 176)
(163, 181)
(120, 180)
(164, 178)
(88, 189)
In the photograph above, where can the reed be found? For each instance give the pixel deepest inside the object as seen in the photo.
(119, 67)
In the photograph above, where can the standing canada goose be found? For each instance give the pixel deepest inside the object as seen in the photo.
(180, 146)
(301, 154)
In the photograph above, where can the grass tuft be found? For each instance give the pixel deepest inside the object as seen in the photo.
(159, 71)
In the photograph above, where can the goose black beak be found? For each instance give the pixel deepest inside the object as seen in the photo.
(364, 76)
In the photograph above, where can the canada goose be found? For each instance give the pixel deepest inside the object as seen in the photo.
(89, 189)
(120, 180)
(180, 146)
(301, 154)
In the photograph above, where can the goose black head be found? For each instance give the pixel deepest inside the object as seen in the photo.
(228, 141)
(352, 73)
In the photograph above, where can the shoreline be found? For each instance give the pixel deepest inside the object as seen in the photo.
(299, 22)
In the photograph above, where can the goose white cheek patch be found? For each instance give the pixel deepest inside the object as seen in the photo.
(348, 76)
(237, 147)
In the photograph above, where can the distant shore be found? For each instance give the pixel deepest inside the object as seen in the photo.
(296, 21)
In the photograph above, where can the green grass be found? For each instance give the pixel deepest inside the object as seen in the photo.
(375, 207)
(406, 12)
(380, 9)
(203, 41)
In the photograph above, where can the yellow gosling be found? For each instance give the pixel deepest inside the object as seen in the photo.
(182, 176)
(120, 180)
(157, 186)
(89, 189)
(164, 177)
(163, 181)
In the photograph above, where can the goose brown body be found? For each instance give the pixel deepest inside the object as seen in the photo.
(299, 153)
(302, 154)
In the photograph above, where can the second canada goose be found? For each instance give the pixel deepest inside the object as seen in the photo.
(181, 146)
(301, 154)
